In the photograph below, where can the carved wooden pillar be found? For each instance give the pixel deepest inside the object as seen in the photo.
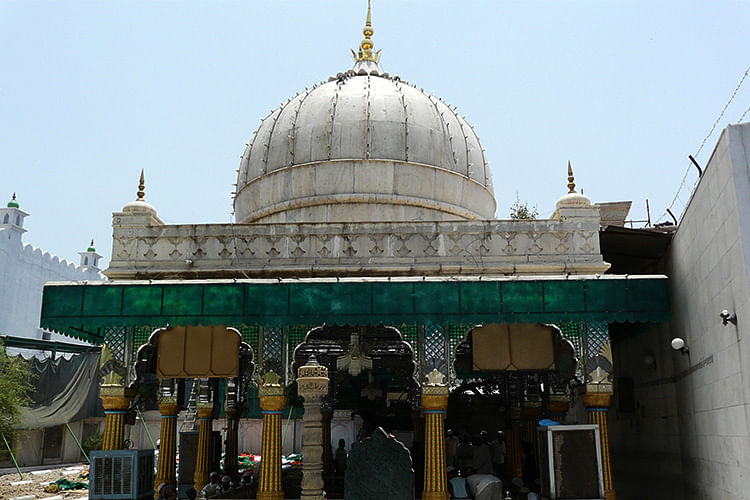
(116, 400)
(513, 460)
(232, 412)
(597, 408)
(272, 403)
(434, 404)
(327, 415)
(166, 469)
(205, 410)
(312, 384)
(231, 465)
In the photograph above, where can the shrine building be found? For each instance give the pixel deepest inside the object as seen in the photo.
(367, 252)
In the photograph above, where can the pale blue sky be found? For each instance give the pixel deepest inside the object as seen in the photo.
(91, 92)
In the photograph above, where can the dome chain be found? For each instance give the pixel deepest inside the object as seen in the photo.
(267, 144)
(466, 143)
(333, 115)
(445, 125)
(406, 121)
(369, 129)
(293, 136)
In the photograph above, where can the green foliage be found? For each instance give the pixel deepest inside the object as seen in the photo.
(522, 211)
(94, 442)
(15, 387)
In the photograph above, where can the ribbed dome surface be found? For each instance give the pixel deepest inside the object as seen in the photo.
(362, 120)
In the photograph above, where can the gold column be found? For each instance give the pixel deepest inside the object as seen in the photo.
(597, 408)
(434, 404)
(558, 410)
(232, 449)
(166, 470)
(532, 414)
(203, 457)
(513, 457)
(272, 402)
(327, 445)
(116, 400)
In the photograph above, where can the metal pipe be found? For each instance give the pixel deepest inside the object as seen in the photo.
(13, 457)
(78, 442)
(148, 432)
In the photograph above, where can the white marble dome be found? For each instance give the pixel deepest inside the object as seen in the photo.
(364, 146)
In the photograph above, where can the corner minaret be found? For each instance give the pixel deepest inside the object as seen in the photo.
(12, 218)
(90, 259)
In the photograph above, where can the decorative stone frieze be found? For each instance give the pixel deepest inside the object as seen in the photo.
(568, 244)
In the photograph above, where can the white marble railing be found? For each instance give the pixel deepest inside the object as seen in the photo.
(567, 245)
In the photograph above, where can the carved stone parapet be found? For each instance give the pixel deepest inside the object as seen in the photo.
(565, 246)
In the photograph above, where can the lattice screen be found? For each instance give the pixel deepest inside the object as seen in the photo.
(273, 349)
(296, 336)
(141, 335)
(115, 338)
(251, 335)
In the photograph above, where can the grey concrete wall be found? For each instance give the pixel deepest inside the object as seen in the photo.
(645, 443)
(708, 270)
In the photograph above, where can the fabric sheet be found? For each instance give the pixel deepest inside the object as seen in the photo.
(65, 390)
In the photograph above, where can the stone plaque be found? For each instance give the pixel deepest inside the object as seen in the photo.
(379, 467)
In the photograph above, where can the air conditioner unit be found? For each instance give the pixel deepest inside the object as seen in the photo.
(121, 475)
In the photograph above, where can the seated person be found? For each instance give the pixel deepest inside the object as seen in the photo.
(485, 487)
(456, 485)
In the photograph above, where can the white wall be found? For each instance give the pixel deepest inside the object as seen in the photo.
(24, 270)
(708, 270)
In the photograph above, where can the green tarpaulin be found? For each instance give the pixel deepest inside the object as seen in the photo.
(83, 310)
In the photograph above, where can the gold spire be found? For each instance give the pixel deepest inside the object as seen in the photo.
(365, 52)
(571, 184)
(141, 188)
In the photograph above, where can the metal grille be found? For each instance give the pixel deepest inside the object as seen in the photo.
(455, 333)
(296, 336)
(273, 349)
(597, 334)
(141, 335)
(114, 337)
(250, 334)
(572, 331)
(434, 348)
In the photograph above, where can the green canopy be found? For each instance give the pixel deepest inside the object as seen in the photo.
(82, 310)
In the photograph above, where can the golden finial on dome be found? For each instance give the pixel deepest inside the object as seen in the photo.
(365, 52)
(141, 188)
(571, 184)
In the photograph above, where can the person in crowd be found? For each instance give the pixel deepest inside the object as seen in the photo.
(456, 485)
(485, 487)
(465, 453)
(498, 449)
(340, 458)
(167, 492)
(226, 483)
(213, 487)
(191, 493)
(482, 462)
(451, 446)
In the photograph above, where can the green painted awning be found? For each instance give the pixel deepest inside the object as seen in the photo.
(84, 309)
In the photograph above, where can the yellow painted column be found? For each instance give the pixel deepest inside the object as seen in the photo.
(513, 457)
(203, 457)
(558, 410)
(272, 403)
(434, 404)
(166, 469)
(116, 400)
(597, 408)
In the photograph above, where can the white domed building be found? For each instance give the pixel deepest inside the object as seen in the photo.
(365, 236)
